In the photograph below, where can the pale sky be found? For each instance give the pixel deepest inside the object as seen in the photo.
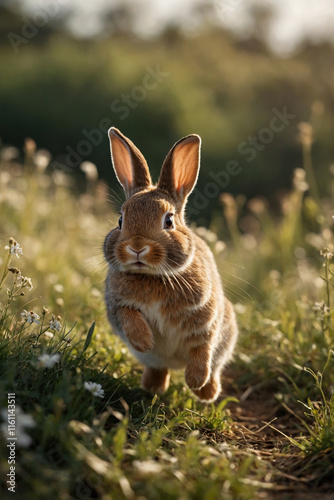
(294, 20)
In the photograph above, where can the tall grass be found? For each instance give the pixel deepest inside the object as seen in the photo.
(84, 427)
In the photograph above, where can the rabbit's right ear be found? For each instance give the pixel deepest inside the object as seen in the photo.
(180, 169)
(129, 164)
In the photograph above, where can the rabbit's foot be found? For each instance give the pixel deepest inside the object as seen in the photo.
(210, 391)
(197, 371)
(155, 380)
(196, 377)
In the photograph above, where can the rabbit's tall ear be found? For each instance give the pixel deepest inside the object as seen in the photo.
(180, 169)
(129, 164)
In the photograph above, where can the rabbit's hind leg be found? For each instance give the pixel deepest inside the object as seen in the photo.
(223, 353)
(211, 390)
(155, 380)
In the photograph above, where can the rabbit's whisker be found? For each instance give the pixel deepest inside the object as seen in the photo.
(241, 279)
(242, 293)
(179, 280)
(165, 274)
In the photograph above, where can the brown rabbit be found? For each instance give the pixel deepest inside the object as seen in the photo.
(163, 294)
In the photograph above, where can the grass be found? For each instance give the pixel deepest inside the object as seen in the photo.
(271, 433)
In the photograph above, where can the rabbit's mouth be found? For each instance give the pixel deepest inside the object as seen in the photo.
(139, 264)
(139, 267)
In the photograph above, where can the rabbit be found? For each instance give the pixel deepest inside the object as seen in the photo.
(163, 292)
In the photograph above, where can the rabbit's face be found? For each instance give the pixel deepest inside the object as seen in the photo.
(151, 237)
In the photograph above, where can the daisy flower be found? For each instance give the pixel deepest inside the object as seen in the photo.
(48, 361)
(14, 248)
(54, 323)
(23, 421)
(95, 389)
(23, 282)
(30, 317)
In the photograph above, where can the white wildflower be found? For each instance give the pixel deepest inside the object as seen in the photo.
(55, 324)
(28, 283)
(90, 170)
(327, 253)
(48, 361)
(42, 159)
(58, 288)
(321, 307)
(299, 182)
(23, 421)
(239, 308)
(14, 248)
(48, 334)
(23, 281)
(147, 467)
(275, 275)
(220, 246)
(9, 153)
(95, 389)
(30, 317)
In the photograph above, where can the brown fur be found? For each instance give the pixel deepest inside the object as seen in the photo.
(163, 291)
(155, 380)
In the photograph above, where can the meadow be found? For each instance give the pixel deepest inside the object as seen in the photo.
(84, 427)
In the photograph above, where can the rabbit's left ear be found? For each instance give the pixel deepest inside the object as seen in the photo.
(129, 164)
(180, 169)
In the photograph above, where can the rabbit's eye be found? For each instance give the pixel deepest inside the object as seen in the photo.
(120, 222)
(169, 221)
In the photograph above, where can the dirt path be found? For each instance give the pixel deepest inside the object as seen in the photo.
(258, 420)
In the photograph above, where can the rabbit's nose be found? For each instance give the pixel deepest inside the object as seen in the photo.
(143, 251)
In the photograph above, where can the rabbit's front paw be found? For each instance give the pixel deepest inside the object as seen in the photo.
(196, 376)
(136, 329)
(141, 341)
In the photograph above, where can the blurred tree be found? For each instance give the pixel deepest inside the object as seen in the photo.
(120, 19)
(65, 93)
